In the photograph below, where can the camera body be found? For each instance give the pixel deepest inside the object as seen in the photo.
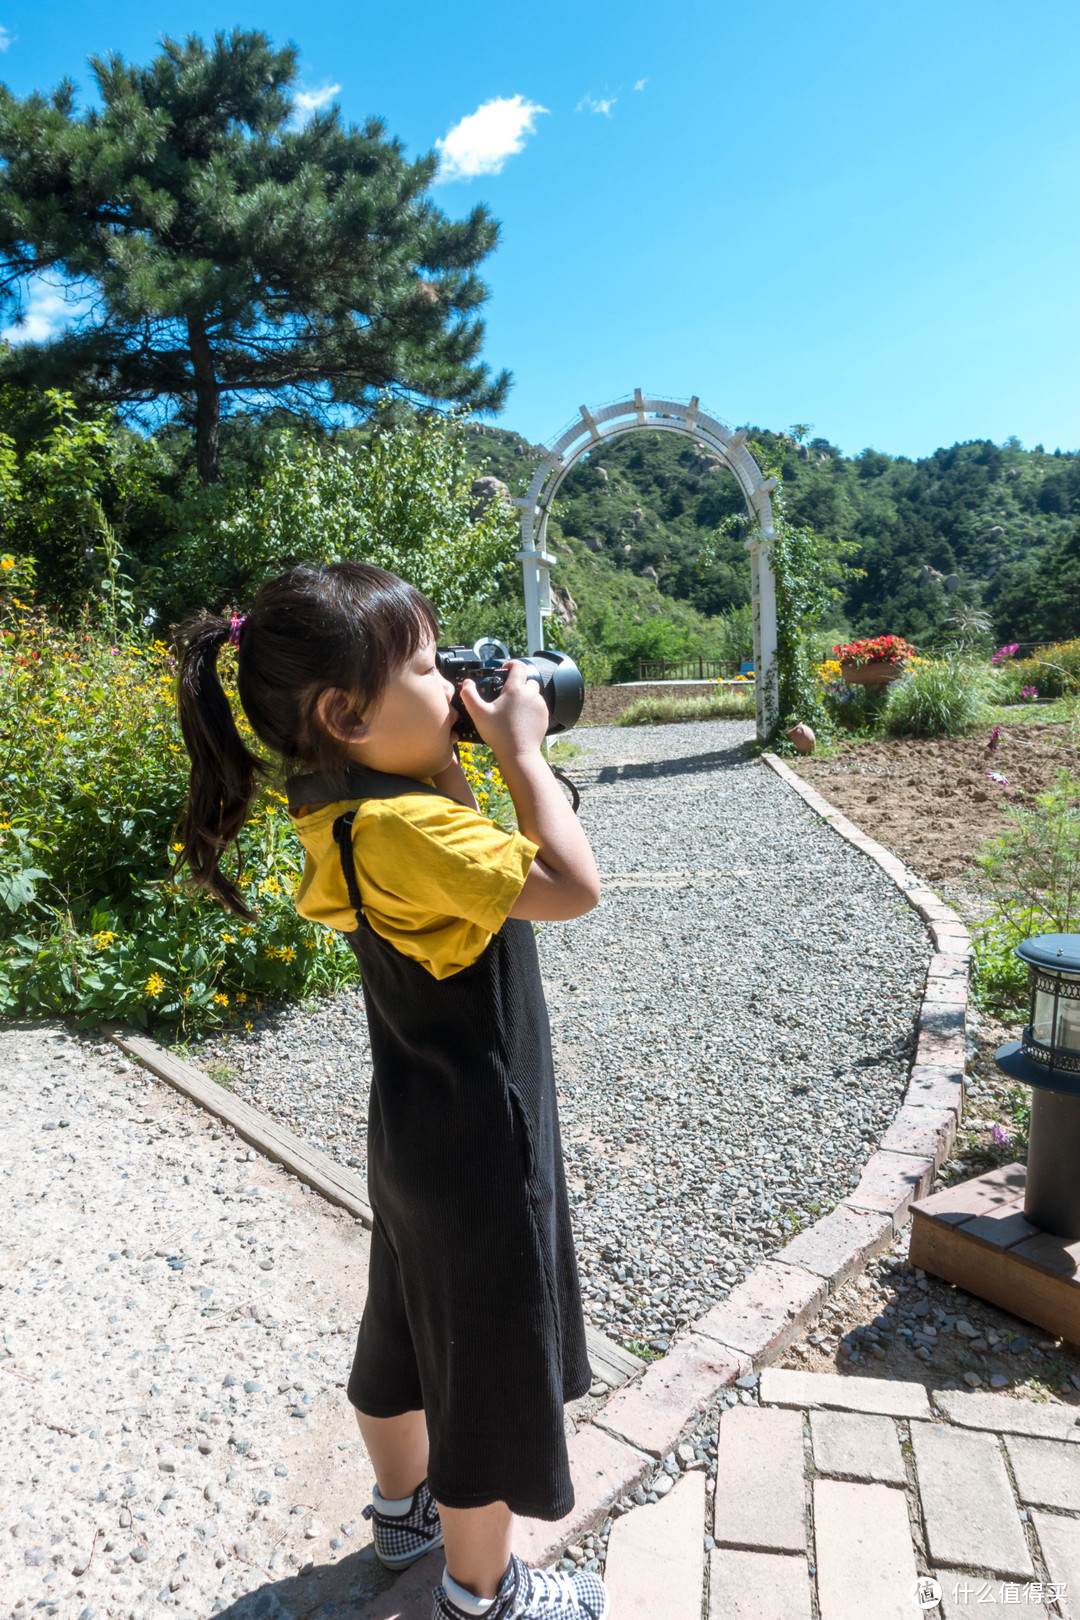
(556, 674)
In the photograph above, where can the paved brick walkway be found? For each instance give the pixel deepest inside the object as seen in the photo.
(864, 1499)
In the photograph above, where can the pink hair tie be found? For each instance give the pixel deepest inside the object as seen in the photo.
(236, 624)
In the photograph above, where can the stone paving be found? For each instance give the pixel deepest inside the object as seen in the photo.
(863, 1499)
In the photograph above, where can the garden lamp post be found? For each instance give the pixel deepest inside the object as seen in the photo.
(1047, 1058)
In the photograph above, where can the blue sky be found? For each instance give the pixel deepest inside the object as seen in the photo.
(857, 215)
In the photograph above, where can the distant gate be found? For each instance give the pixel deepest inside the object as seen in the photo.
(594, 428)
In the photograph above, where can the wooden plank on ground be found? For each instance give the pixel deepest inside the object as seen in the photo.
(994, 1255)
(610, 1362)
(336, 1183)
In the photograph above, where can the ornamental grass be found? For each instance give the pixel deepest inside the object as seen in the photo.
(728, 705)
(937, 698)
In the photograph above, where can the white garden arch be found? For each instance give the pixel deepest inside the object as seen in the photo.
(594, 428)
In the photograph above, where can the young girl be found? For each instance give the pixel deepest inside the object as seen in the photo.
(472, 1336)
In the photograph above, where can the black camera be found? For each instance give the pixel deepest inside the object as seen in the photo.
(556, 674)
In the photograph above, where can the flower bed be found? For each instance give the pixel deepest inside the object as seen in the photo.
(92, 920)
(874, 650)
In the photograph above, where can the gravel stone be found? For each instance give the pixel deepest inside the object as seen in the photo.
(732, 1026)
(115, 1374)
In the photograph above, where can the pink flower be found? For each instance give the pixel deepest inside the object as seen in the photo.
(993, 741)
(996, 776)
(1029, 693)
(1007, 651)
(999, 1136)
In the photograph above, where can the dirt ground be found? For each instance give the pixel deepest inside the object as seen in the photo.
(603, 704)
(931, 800)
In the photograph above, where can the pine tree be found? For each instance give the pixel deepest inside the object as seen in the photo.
(234, 258)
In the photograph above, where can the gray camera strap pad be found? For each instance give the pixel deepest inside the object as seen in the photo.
(356, 782)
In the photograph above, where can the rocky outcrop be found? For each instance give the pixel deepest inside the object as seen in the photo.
(564, 605)
(484, 490)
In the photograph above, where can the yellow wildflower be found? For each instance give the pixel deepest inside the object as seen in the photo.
(7, 563)
(177, 849)
(155, 984)
(104, 939)
(228, 939)
(222, 999)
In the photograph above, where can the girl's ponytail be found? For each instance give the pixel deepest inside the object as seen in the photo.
(223, 768)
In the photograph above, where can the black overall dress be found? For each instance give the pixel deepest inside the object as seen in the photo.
(473, 1311)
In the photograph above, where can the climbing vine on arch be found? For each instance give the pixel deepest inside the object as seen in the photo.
(810, 570)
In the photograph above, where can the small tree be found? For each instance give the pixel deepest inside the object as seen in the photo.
(401, 500)
(231, 255)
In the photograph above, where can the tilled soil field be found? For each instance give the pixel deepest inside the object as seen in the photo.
(932, 801)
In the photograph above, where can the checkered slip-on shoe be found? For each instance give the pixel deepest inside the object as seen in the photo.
(532, 1594)
(401, 1540)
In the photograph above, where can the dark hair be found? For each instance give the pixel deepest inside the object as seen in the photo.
(345, 625)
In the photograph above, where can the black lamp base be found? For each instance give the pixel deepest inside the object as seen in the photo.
(1012, 1060)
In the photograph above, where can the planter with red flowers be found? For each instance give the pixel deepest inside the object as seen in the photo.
(874, 662)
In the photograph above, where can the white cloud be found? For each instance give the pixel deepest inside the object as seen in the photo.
(641, 83)
(46, 309)
(482, 142)
(306, 102)
(6, 40)
(597, 104)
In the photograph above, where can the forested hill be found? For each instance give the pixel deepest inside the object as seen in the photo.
(993, 525)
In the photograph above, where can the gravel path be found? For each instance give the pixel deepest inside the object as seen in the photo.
(732, 1025)
(178, 1323)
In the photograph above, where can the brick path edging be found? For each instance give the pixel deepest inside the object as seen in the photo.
(772, 1306)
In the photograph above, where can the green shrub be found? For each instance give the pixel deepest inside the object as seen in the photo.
(651, 711)
(1000, 978)
(1054, 670)
(939, 699)
(92, 922)
(1033, 872)
(1033, 867)
(854, 708)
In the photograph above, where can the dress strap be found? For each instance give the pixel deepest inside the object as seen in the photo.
(343, 839)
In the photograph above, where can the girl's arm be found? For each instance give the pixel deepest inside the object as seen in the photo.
(454, 781)
(563, 881)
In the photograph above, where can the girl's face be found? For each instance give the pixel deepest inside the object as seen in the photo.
(410, 731)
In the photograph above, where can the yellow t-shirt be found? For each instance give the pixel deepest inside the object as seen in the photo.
(437, 879)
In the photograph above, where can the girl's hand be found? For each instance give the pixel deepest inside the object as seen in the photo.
(563, 880)
(516, 723)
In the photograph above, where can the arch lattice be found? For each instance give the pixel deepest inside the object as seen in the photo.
(595, 428)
